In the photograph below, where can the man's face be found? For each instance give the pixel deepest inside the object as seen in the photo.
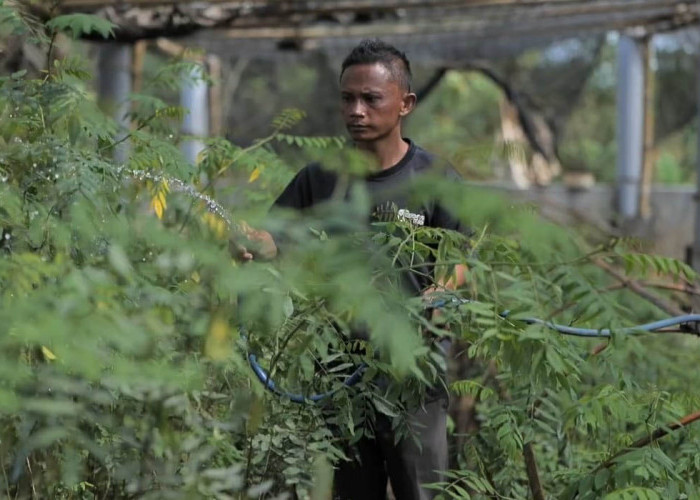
(373, 103)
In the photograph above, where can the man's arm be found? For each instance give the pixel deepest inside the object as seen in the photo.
(457, 279)
(253, 244)
(257, 244)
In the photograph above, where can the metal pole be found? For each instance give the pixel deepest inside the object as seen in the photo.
(648, 150)
(114, 86)
(194, 98)
(695, 257)
(630, 126)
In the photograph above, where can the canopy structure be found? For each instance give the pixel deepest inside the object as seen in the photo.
(452, 24)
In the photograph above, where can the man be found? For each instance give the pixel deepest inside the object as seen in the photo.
(376, 95)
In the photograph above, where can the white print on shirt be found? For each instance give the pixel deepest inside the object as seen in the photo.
(388, 211)
(406, 216)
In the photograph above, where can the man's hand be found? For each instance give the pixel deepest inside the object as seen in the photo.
(429, 296)
(252, 244)
(457, 280)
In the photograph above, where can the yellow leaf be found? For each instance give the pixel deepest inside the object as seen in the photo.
(195, 277)
(157, 206)
(221, 228)
(216, 224)
(47, 353)
(161, 197)
(217, 345)
(254, 175)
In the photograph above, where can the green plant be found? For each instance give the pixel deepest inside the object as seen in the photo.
(122, 362)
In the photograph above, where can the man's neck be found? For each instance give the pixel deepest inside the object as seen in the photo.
(388, 151)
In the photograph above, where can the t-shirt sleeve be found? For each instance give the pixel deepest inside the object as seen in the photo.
(442, 218)
(445, 220)
(297, 194)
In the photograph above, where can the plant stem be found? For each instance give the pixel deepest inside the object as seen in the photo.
(288, 337)
(129, 135)
(31, 478)
(654, 436)
(52, 43)
(637, 288)
(49, 55)
(4, 475)
(532, 475)
(249, 461)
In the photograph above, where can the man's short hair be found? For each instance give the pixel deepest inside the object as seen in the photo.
(377, 51)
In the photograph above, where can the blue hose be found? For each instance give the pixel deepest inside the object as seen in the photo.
(269, 384)
(355, 377)
(590, 332)
(606, 332)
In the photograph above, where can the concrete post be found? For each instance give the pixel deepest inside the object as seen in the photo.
(630, 126)
(194, 98)
(114, 86)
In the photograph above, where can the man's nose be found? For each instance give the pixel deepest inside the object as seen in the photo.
(357, 109)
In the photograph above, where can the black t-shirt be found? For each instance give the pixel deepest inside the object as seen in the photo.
(389, 192)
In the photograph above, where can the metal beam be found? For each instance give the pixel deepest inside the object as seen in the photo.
(305, 19)
(306, 6)
(474, 28)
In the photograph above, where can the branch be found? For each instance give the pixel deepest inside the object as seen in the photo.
(639, 289)
(599, 348)
(654, 436)
(674, 287)
(423, 92)
(533, 476)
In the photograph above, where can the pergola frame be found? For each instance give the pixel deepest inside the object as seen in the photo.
(321, 19)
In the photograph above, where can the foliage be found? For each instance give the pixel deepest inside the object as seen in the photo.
(464, 134)
(78, 25)
(124, 320)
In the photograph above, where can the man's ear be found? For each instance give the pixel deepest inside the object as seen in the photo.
(408, 102)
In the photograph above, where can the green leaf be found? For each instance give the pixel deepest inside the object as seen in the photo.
(78, 25)
(120, 261)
